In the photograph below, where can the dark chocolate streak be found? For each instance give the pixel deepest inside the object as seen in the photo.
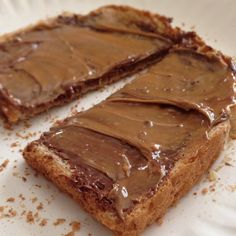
(135, 137)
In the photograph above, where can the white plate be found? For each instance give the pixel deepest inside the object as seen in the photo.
(212, 214)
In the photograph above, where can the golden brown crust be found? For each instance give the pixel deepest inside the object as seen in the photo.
(186, 172)
(144, 20)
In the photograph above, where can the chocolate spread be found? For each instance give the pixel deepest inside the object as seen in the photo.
(39, 65)
(135, 136)
(188, 80)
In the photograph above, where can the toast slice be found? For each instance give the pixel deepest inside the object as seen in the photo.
(186, 172)
(58, 60)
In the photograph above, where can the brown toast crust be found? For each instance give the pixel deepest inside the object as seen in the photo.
(145, 21)
(187, 171)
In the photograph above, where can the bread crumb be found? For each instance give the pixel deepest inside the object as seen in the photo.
(23, 179)
(159, 221)
(36, 216)
(70, 234)
(23, 213)
(21, 197)
(232, 188)
(15, 144)
(38, 185)
(2, 208)
(4, 165)
(228, 161)
(10, 213)
(204, 191)
(75, 225)
(11, 199)
(59, 221)
(30, 217)
(34, 199)
(73, 110)
(26, 136)
(27, 124)
(212, 176)
(43, 222)
(40, 206)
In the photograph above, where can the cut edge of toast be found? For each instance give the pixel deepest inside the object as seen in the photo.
(187, 171)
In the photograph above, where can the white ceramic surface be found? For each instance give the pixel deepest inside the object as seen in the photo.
(212, 214)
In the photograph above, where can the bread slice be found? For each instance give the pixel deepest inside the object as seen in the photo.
(186, 172)
(125, 20)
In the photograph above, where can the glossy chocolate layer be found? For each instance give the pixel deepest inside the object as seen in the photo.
(39, 65)
(133, 144)
(188, 80)
(137, 134)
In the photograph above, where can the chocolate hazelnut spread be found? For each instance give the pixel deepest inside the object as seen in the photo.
(38, 66)
(136, 135)
(128, 142)
(188, 80)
